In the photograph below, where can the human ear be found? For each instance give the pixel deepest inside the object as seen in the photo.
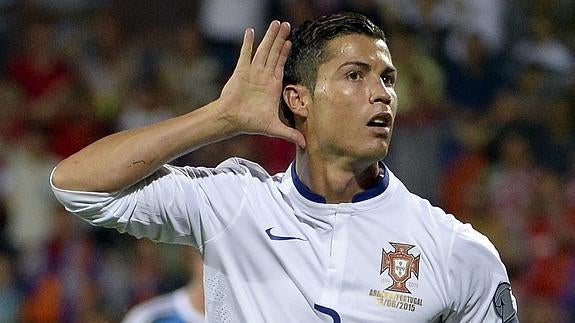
(297, 99)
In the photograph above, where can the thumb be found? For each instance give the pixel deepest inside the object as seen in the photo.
(291, 134)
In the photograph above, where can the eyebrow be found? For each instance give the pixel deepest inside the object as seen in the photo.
(387, 70)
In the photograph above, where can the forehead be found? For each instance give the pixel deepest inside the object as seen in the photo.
(358, 47)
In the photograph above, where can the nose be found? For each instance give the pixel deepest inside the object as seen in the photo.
(380, 93)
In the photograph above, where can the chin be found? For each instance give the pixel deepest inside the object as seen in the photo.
(379, 150)
(373, 155)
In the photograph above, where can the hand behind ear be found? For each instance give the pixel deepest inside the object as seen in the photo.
(250, 98)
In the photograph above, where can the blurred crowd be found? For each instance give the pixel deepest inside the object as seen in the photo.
(485, 129)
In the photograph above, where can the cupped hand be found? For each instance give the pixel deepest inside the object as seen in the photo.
(250, 98)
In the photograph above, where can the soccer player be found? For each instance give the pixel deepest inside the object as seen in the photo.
(336, 237)
(184, 305)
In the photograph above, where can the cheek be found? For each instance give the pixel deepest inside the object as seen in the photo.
(336, 107)
(339, 98)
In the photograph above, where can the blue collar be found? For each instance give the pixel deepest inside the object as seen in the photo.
(380, 186)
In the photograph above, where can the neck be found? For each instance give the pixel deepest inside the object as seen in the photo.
(336, 180)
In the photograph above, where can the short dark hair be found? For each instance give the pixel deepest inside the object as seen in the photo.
(309, 48)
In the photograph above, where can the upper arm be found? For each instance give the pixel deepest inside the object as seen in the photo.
(173, 205)
(479, 286)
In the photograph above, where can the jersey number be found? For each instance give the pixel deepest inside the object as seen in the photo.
(328, 311)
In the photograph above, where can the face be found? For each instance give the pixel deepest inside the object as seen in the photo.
(354, 103)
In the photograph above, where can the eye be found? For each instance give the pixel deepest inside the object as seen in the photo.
(354, 75)
(388, 79)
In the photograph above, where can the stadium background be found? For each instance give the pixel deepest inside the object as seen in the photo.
(486, 129)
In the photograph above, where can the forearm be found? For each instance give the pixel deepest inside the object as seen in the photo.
(248, 104)
(123, 158)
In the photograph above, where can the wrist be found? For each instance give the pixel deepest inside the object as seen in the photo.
(220, 117)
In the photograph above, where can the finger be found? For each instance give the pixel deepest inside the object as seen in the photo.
(279, 69)
(246, 49)
(277, 46)
(263, 50)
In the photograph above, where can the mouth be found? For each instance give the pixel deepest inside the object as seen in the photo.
(381, 120)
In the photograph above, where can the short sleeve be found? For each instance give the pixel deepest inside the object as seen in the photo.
(479, 285)
(181, 205)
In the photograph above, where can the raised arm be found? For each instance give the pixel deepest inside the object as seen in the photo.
(248, 104)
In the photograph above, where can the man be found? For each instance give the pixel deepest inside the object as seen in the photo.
(184, 305)
(337, 237)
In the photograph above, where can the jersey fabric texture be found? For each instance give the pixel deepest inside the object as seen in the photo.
(274, 251)
(174, 307)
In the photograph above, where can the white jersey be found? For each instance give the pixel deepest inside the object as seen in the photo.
(174, 307)
(274, 251)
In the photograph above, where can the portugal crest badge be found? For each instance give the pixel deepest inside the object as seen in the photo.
(400, 265)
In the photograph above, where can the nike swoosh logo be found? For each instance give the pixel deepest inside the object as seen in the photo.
(281, 238)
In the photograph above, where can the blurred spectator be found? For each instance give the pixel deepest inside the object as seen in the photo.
(189, 72)
(296, 11)
(185, 304)
(76, 125)
(511, 183)
(146, 104)
(40, 69)
(43, 304)
(432, 20)
(559, 121)
(505, 110)
(540, 310)
(223, 23)
(7, 26)
(154, 15)
(419, 116)
(517, 111)
(421, 74)
(11, 296)
(65, 290)
(28, 196)
(435, 15)
(13, 119)
(273, 154)
(473, 78)
(570, 186)
(549, 242)
(108, 64)
(69, 17)
(148, 274)
(522, 12)
(66, 9)
(445, 26)
(544, 48)
(461, 186)
(475, 18)
(370, 8)
(477, 209)
(5, 243)
(529, 89)
(213, 154)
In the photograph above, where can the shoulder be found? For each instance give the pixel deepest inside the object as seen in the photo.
(474, 247)
(228, 170)
(244, 167)
(468, 248)
(475, 266)
(230, 181)
(465, 247)
(479, 283)
(250, 173)
(432, 218)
